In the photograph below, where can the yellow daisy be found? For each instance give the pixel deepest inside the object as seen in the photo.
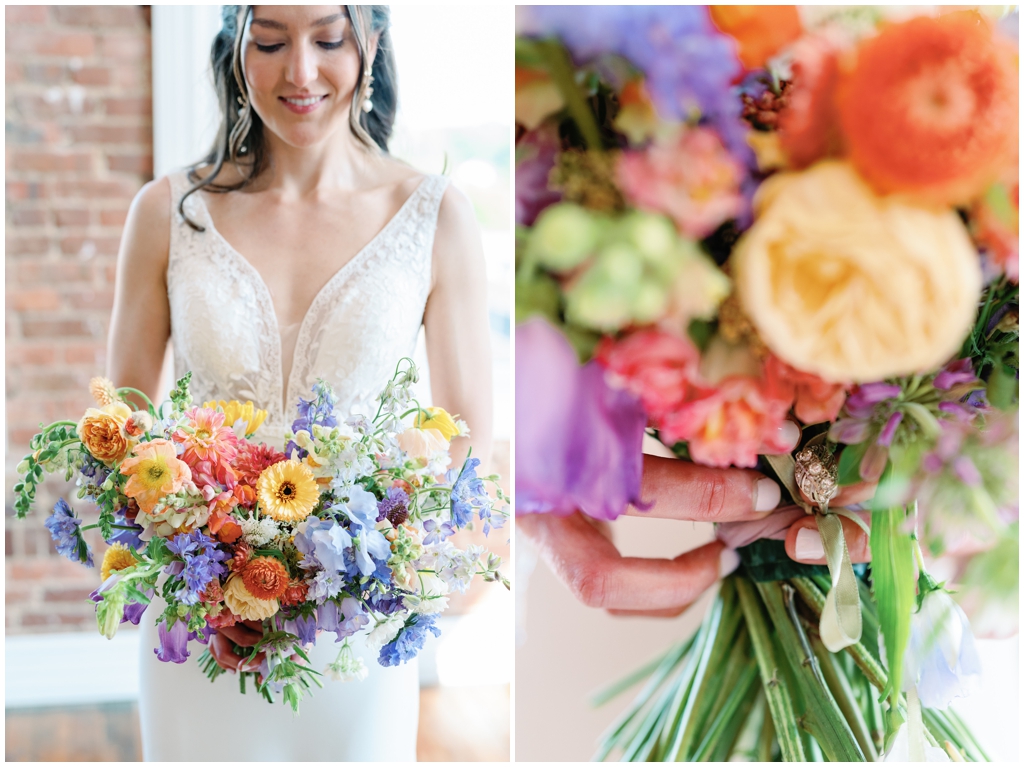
(235, 411)
(438, 418)
(117, 557)
(287, 491)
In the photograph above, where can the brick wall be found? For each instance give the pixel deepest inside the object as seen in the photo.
(79, 146)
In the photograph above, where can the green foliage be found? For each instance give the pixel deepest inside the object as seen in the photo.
(849, 462)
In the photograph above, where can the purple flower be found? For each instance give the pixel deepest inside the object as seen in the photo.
(409, 641)
(578, 441)
(394, 506)
(862, 400)
(889, 430)
(956, 372)
(304, 627)
(344, 619)
(133, 610)
(64, 529)
(535, 157)
(173, 642)
(318, 411)
(468, 492)
(200, 563)
(941, 659)
(129, 538)
(436, 531)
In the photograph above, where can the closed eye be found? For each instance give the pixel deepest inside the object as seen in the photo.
(331, 46)
(269, 48)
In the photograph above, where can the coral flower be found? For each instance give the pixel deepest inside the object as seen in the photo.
(693, 179)
(815, 400)
(809, 125)
(154, 471)
(234, 412)
(760, 30)
(287, 491)
(252, 460)
(117, 557)
(729, 425)
(656, 366)
(265, 578)
(295, 594)
(930, 107)
(206, 438)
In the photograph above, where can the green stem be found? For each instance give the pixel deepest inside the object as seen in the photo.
(83, 528)
(563, 75)
(130, 390)
(840, 687)
(739, 694)
(780, 703)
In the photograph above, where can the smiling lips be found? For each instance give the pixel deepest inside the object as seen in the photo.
(303, 105)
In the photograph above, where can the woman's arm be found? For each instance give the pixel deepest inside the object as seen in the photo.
(457, 327)
(141, 322)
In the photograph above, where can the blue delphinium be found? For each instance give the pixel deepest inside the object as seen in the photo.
(409, 641)
(64, 529)
(468, 492)
(126, 537)
(318, 411)
(200, 562)
(437, 532)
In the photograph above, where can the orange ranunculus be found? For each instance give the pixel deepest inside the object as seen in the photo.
(929, 107)
(808, 126)
(153, 472)
(265, 578)
(102, 432)
(760, 30)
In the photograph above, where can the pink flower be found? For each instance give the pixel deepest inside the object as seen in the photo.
(816, 400)
(206, 438)
(692, 179)
(731, 423)
(656, 366)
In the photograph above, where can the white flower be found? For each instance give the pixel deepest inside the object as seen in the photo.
(347, 667)
(463, 428)
(941, 660)
(911, 744)
(258, 532)
(385, 630)
(432, 597)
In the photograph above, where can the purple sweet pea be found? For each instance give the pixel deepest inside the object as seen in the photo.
(173, 642)
(344, 619)
(956, 372)
(578, 442)
(304, 627)
(862, 400)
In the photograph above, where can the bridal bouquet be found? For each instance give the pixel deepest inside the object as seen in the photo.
(741, 215)
(347, 530)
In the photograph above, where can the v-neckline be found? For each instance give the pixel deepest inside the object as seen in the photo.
(286, 386)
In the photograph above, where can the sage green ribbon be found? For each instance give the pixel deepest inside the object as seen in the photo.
(840, 624)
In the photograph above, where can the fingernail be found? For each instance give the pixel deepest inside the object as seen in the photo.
(728, 561)
(789, 433)
(808, 544)
(767, 494)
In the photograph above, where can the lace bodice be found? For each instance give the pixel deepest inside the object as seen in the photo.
(364, 319)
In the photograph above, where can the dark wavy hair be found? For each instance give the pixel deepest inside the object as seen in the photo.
(240, 138)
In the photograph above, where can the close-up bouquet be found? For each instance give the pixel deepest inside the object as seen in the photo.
(735, 218)
(348, 530)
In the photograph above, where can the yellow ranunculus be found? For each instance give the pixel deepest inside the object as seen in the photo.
(438, 418)
(245, 605)
(852, 286)
(235, 411)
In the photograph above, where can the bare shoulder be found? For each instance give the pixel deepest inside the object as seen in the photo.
(456, 219)
(146, 240)
(458, 255)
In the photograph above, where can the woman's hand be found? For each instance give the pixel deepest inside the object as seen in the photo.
(599, 576)
(245, 634)
(803, 543)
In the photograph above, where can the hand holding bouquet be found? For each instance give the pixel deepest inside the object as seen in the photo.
(347, 530)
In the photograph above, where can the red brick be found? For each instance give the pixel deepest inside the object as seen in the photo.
(35, 272)
(83, 245)
(31, 355)
(28, 217)
(55, 161)
(13, 71)
(51, 43)
(28, 245)
(92, 75)
(98, 15)
(18, 15)
(85, 355)
(44, 74)
(67, 595)
(40, 300)
(72, 217)
(137, 77)
(114, 217)
(95, 188)
(37, 619)
(131, 163)
(25, 190)
(38, 569)
(111, 134)
(92, 299)
(132, 46)
(56, 328)
(129, 106)
(34, 106)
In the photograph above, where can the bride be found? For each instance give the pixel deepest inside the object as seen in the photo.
(297, 249)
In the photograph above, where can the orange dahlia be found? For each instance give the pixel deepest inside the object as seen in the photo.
(265, 578)
(929, 107)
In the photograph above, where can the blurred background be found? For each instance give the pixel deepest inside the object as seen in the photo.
(100, 100)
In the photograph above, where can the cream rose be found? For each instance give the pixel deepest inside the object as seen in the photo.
(851, 286)
(242, 603)
(102, 431)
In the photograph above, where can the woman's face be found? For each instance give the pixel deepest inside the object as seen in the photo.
(301, 64)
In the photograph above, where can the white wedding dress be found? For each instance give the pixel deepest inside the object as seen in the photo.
(224, 329)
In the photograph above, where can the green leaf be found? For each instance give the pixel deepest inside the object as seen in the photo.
(892, 561)
(849, 462)
(1003, 388)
